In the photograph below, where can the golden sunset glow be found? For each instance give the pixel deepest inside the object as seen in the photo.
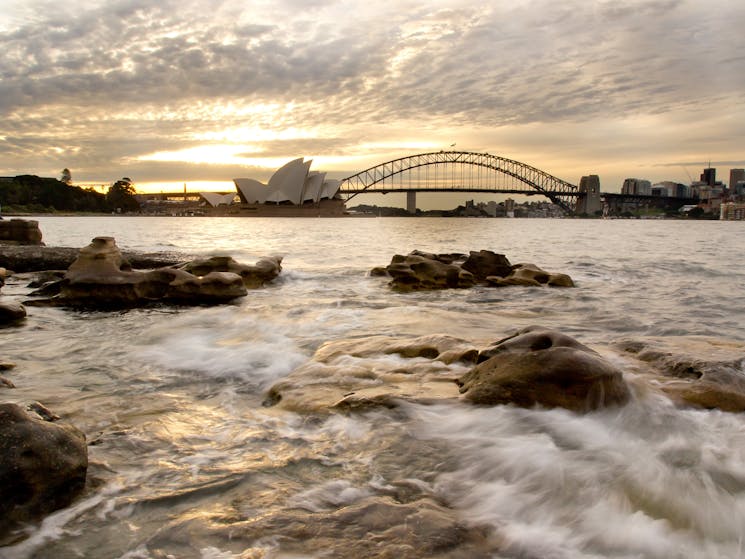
(252, 87)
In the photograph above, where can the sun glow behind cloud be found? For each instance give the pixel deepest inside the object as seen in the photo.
(122, 88)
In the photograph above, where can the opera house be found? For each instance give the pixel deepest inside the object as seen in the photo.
(293, 190)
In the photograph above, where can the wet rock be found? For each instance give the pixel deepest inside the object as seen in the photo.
(485, 263)
(42, 465)
(692, 370)
(422, 270)
(6, 365)
(20, 232)
(375, 372)
(100, 277)
(530, 275)
(11, 312)
(546, 368)
(379, 271)
(415, 272)
(22, 259)
(374, 528)
(45, 277)
(3, 276)
(264, 271)
(6, 382)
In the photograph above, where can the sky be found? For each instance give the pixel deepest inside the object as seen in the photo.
(170, 92)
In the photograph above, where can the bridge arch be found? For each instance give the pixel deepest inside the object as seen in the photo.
(526, 179)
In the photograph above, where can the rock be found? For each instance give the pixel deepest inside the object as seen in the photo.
(692, 370)
(486, 263)
(546, 368)
(3, 276)
(415, 272)
(6, 382)
(530, 275)
(264, 271)
(379, 371)
(11, 312)
(379, 271)
(7, 365)
(423, 270)
(20, 232)
(23, 259)
(215, 287)
(42, 411)
(46, 277)
(100, 277)
(372, 527)
(42, 465)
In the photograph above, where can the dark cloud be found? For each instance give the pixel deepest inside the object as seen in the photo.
(86, 84)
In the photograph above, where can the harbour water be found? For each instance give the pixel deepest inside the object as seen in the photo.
(185, 461)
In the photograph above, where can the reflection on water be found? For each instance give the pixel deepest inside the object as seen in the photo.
(186, 462)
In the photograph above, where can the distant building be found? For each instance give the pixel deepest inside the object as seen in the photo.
(636, 186)
(735, 176)
(709, 176)
(672, 189)
(732, 211)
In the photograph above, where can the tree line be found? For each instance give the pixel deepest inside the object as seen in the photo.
(29, 193)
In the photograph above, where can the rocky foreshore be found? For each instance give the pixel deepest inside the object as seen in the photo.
(101, 277)
(37, 258)
(534, 367)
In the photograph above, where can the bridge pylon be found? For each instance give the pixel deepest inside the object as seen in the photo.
(411, 201)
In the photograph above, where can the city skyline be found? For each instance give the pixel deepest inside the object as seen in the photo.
(166, 94)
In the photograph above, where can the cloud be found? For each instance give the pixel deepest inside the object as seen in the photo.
(92, 84)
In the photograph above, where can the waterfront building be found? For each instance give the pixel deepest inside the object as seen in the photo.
(215, 199)
(293, 183)
(732, 211)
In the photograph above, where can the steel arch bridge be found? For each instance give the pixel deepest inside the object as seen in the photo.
(460, 171)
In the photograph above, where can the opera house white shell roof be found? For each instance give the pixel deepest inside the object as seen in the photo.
(293, 182)
(215, 199)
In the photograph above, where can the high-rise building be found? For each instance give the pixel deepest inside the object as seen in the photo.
(636, 186)
(709, 176)
(735, 176)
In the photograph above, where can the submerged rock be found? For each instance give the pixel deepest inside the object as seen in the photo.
(692, 370)
(379, 371)
(543, 367)
(42, 465)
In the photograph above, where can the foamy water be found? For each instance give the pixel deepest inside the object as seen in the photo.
(186, 462)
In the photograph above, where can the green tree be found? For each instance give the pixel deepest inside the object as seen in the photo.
(66, 176)
(121, 196)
